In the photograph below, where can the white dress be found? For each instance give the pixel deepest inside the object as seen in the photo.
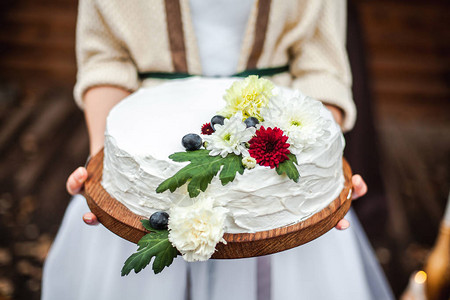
(85, 261)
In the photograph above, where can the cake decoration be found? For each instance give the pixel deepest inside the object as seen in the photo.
(201, 170)
(269, 147)
(248, 96)
(299, 118)
(195, 230)
(229, 137)
(207, 129)
(248, 162)
(154, 244)
(258, 127)
(191, 141)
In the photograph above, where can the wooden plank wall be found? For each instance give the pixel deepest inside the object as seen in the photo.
(42, 135)
(37, 42)
(408, 47)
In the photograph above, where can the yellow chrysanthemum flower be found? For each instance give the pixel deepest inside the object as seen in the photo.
(248, 96)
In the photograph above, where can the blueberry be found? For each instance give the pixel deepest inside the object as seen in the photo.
(217, 120)
(159, 220)
(191, 141)
(251, 122)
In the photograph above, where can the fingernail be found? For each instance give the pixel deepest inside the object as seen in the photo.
(358, 180)
(345, 226)
(78, 174)
(350, 193)
(87, 219)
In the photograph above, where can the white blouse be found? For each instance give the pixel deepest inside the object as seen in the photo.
(219, 26)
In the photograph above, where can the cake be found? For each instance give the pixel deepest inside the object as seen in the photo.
(147, 127)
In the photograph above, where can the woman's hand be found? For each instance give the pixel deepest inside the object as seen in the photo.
(76, 180)
(74, 185)
(359, 190)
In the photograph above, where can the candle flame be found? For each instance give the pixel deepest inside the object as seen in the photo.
(420, 277)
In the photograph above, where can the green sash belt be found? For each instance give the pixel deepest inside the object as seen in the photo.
(259, 72)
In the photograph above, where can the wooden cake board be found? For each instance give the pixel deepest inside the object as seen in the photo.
(121, 221)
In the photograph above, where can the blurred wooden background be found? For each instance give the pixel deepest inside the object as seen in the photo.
(43, 137)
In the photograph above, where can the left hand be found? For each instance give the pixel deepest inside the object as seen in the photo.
(359, 190)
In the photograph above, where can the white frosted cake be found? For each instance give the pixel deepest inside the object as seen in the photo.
(147, 127)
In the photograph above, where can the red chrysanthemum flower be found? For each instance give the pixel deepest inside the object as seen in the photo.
(207, 129)
(269, 147)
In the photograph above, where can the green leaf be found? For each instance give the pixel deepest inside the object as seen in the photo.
(232, 165)
(154, 244)
(189, 155)
(146, 224)
(289, 168)
(201, 171)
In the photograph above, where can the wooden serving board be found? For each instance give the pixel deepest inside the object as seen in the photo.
(120, 220)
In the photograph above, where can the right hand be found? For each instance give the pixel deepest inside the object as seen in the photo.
(74, 185)
(98, 101)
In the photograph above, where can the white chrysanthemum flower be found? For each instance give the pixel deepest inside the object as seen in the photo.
(230, 137)
(195, 230)
(299, 117)
(249, 162)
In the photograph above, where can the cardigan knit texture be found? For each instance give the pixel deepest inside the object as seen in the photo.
(118, 39)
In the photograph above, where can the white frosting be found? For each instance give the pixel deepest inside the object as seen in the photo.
(144, 129)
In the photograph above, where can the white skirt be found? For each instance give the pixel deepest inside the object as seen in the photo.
(85, 263)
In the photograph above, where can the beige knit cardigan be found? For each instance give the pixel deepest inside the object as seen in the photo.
(116, 39)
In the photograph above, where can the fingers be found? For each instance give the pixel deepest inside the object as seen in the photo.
(76, 180)
(74, 184)
(359, 187)
(90, 219)
(342, 224)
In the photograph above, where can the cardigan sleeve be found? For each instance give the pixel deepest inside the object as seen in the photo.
(102, 59)
(320, 65)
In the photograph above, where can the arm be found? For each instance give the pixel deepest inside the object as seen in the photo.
(106, 74)
(321, 70)
(103, 59)
(359, 186)
(320, 65)
(98, 102)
